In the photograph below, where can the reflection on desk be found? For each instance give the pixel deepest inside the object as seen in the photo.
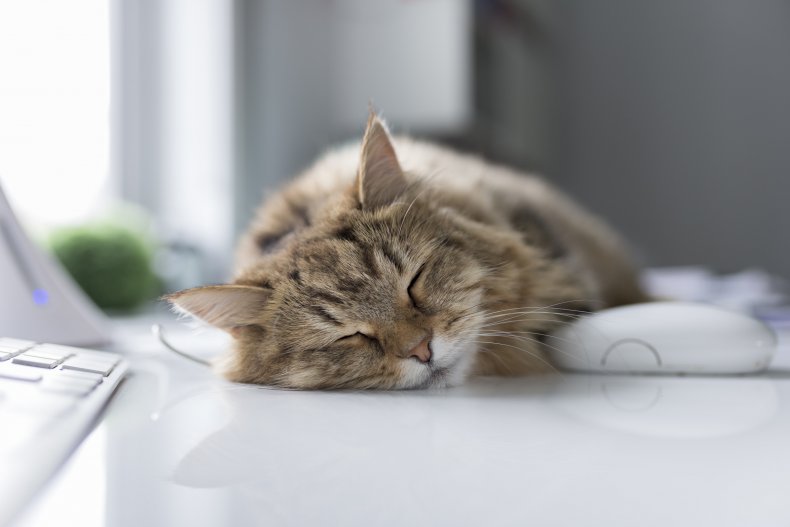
(183, 447)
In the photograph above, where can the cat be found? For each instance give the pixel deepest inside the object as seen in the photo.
(395, 264)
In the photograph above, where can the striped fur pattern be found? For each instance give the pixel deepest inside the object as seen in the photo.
(382, 245)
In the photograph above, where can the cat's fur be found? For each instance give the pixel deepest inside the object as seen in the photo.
(382, 248)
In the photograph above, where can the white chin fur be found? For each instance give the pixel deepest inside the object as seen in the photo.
(450, 366)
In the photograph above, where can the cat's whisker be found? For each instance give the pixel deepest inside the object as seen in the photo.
(493, 268)
(403, 220)
(532, 316)
(577, 312)
(527, 351)
(524, 350)
(501, 361)
(521, 319)
(423, 191)
(516, 319)
(536, 333)
(546, 307)
(554, 305)
(534, 310)
(528, 317)
(516, 311)
(529, 339)
(509, 317)
(555, 318)
(535, 307)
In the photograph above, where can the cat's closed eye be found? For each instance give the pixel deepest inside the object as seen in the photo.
(410, 288)
(358, 334)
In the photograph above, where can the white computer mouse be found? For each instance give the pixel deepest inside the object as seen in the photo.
(664, 337)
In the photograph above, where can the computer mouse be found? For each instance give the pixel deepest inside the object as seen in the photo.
(664, 337)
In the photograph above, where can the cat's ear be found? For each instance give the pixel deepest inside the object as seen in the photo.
(380, 179)
(224, 306)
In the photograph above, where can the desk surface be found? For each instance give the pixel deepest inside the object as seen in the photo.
(178, 446)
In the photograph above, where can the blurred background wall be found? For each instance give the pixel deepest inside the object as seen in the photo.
(671, 119)
(307, 71)
(675, 124)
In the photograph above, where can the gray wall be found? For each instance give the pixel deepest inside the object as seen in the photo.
(306, 71)
(671, 119)
(675, 125)
(282, 112)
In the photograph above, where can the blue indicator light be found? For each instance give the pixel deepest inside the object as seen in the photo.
(40, 297)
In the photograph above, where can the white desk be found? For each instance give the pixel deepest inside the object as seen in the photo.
(180, 447)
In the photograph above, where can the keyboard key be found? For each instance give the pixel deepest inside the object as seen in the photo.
(99, 356)
(88, 383)
(5, 355)
(66, 349)
(45, 354)
(45, 412)
(74, 374)
(104, 358)
(56, 386)
(11, 350)
(16, 343)
(88, 365)
(19, 373)
(37, 362)
(76, 387)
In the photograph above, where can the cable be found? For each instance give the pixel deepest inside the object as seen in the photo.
(159, 332)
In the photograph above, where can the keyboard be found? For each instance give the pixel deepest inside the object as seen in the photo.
(50, 397)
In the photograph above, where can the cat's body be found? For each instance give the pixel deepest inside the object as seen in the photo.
(402, 264)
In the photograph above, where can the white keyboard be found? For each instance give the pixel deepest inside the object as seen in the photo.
(50, 397)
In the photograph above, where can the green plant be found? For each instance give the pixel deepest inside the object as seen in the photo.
(111, 262)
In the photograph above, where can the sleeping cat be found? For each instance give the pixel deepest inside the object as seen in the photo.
(401, 264)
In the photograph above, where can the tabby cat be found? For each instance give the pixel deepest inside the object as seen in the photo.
(401, 264)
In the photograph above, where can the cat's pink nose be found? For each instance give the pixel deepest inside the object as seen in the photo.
(422, 350)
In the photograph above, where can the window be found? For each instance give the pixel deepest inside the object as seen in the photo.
(54, 107)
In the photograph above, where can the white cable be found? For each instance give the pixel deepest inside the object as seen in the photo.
(159, 332)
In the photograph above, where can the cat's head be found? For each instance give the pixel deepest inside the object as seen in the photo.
(384, 290)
